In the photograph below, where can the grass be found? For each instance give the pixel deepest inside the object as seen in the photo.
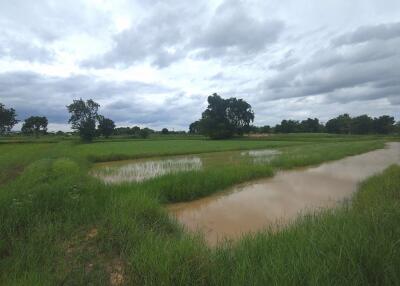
(357, 244)
(60, 226)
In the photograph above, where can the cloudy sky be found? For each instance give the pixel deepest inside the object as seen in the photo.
(153, 63)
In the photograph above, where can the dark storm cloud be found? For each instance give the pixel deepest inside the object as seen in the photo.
(366, 68)
(34, 94)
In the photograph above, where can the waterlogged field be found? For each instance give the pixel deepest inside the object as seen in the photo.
(144, 169)
(62, 226)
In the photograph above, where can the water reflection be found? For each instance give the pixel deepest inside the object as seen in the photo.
(145, 169)
(261, 156)
(140, 171)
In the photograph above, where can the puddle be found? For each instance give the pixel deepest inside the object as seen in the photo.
(253, 206)
(145, 169)
(260, 156)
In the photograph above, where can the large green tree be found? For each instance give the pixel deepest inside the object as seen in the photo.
(7, 119)
(106, 126)
(84, 115)
(225, 118)
(35, 125)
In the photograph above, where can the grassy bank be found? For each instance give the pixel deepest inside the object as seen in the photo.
(60, 226)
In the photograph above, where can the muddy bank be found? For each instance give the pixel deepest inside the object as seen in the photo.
(253, 206)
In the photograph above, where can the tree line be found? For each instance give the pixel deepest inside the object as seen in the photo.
(342, 124)
(223, 118)
(85, 120)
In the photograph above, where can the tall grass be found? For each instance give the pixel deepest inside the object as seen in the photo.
(61, 227)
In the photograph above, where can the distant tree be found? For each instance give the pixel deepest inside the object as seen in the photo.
(194, 128)
(340, 124)
(144, 133)
(60, 133)
(84, 117)
(164, 131)
(288, 126)
(344, 123)
(265, 129)
(106, 126)
(35, 125)
(7, 119)
(384, 124)
(362, 124)
(311, 125)
(397, 127)
(224, 118)
(332, 126)
(135, 130)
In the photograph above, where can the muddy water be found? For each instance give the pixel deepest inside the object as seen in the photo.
(256, 205)
(145, 169)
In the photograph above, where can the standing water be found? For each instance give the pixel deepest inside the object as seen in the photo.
(256, 205)
(146, 169)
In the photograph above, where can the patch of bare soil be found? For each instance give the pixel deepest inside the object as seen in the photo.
(84, 257)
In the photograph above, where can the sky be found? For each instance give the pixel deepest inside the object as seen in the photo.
(154, 63)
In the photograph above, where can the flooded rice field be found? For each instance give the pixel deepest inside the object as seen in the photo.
(256, 205)
(145, 169)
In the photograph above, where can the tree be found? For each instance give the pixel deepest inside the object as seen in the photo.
(265, 129)
(144, 133)
(340, 124)
(384, 124)
(135, 130)
(288, 126)
(84, 117)
(397, 128)
(311, 125)
(164, 131)
(106, 126)
(224, 118)
(7, 119)
(35, 125)
(194, 127)
(362, 124)
(239, 114)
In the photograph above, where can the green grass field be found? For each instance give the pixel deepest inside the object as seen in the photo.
(59, 226)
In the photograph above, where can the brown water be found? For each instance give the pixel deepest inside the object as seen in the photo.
(256, 205)
(144, 169)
